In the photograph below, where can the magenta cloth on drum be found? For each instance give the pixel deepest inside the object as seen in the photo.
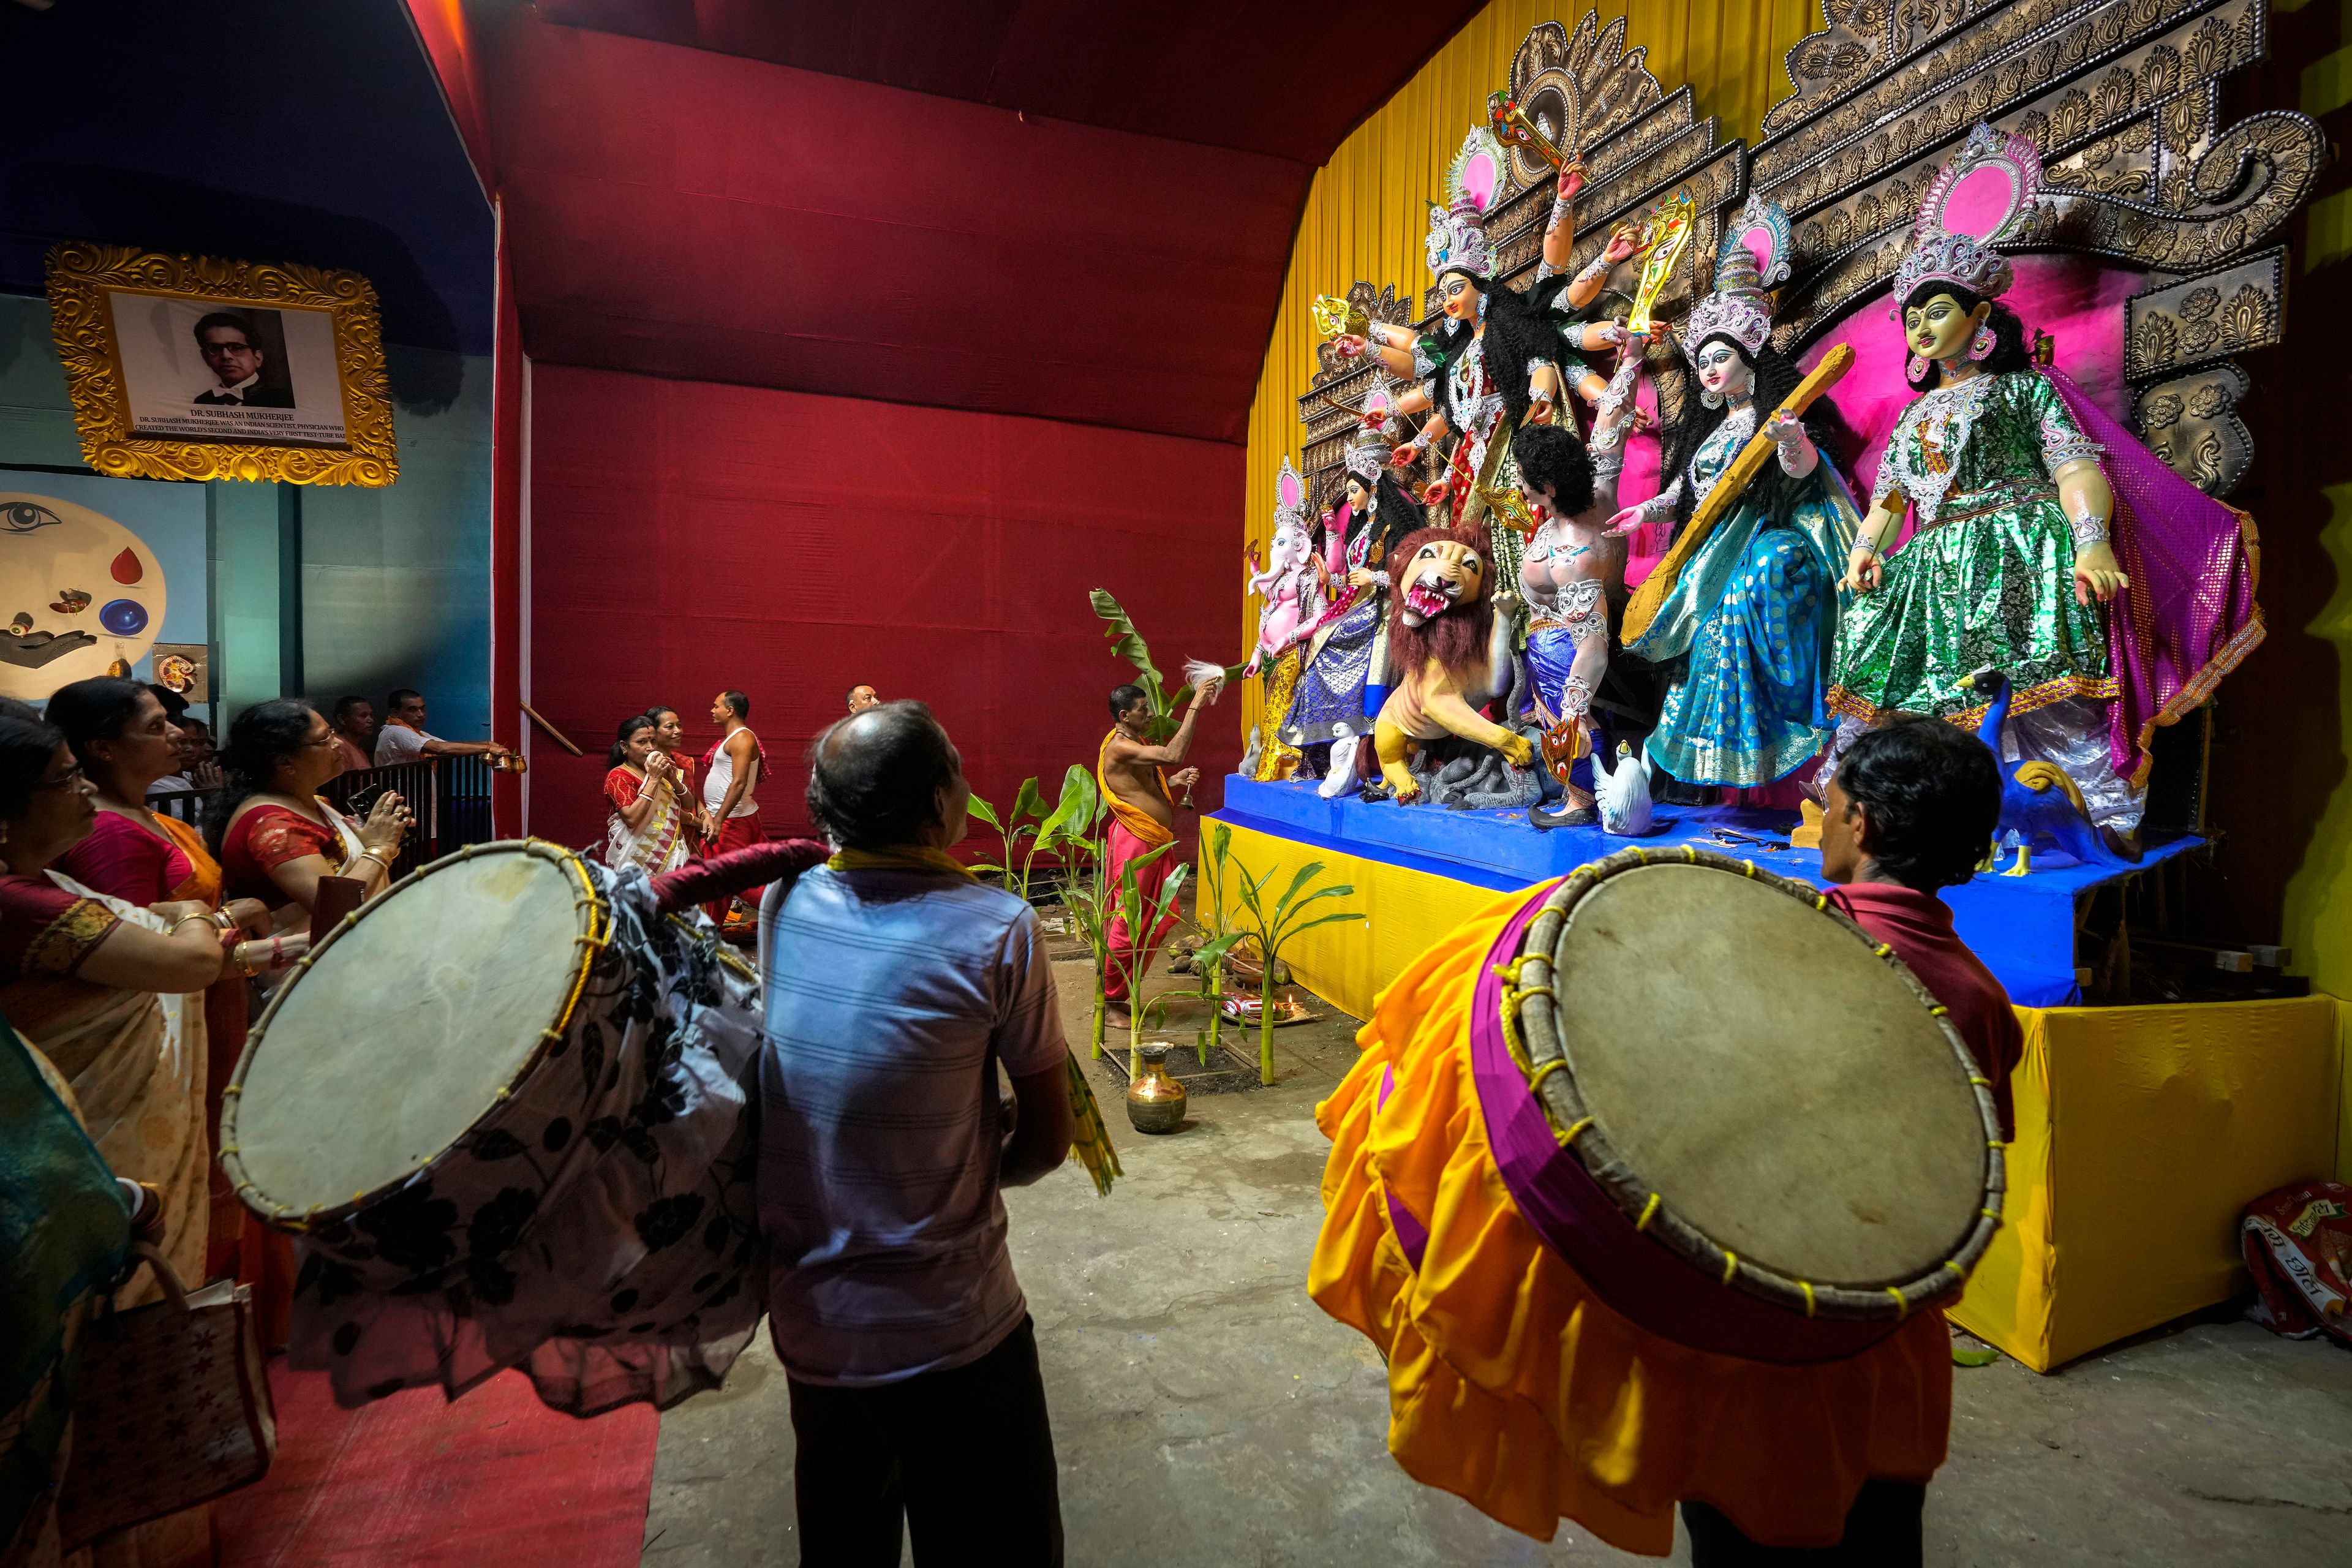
(1576, 1217)
(2188, 616)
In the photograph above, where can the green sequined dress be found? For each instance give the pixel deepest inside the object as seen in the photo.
(1988, 579)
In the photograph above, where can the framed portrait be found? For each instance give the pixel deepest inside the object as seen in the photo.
(190, 367)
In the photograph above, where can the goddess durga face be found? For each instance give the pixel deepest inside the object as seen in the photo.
(1460, 297)
(1938, 329)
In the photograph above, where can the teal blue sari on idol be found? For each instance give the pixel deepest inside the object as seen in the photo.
(1756, 612)
(65, 1231)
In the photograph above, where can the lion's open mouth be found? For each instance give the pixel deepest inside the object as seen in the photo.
(1431, 595)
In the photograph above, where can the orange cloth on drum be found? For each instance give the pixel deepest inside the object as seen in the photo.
(1512, 1384)
(1137, 820)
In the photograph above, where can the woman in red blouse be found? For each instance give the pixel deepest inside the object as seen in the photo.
(649, 826)
(273, 835)
(669, 740)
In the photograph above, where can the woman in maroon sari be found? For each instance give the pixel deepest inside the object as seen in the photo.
(272, 834)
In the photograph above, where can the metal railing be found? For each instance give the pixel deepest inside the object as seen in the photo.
(449, 797)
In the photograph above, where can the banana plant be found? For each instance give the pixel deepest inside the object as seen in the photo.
(1142, 913)
(1015, 827)
(1032, 830)
(1208, 964)
(1087, 905)
(1128, 643)
(1209, 917)
(1273, 927)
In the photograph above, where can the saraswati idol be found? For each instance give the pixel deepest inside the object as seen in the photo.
(2051, 547)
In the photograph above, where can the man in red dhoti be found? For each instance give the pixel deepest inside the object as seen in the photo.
(1134, 780)
(731, 770)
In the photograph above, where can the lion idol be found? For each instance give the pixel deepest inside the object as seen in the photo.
(1451, 652)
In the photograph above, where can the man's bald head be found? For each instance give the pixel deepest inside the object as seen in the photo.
(874, 778)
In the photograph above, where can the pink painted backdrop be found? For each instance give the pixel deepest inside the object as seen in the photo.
(2077, 300)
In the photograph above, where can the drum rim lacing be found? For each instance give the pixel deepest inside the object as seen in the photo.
(1530, 1025)
(590, 942)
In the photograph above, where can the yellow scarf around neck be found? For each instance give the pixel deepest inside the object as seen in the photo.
(899, 858)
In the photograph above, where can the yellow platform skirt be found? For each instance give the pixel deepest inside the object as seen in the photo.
(1512, 1384)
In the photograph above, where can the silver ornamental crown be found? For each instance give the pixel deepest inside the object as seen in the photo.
(1738, 309)
(1367, 458)
(1457, 239)
(1939, 255)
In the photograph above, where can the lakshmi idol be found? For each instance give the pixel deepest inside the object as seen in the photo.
(2013, 477)
(1494, 363)
(1753, 612)
(1343, 679)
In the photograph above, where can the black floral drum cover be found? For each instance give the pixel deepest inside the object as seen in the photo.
(504, 1109)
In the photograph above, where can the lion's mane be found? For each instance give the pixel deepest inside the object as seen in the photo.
(1457, 638)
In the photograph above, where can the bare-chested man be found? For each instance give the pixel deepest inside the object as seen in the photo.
(1131, 773)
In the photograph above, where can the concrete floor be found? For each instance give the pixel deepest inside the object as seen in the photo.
(1206, 1413)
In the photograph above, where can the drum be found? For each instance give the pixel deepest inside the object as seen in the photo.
(503, 1110)
(1765, 1137)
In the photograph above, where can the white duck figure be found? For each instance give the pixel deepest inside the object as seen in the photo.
(1623, 794)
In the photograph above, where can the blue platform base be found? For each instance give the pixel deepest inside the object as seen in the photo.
(2023, 926)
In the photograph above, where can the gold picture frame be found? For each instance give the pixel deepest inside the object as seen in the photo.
(287, 362)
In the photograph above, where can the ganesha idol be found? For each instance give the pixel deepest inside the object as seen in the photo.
(2049, 548)
(1286, 586)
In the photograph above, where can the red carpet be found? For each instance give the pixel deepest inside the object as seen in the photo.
(496, 1480)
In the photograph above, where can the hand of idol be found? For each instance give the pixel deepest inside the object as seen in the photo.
(1623, 521)
(1863, 574)
(1349, 345)
(1571, 179)
(2098, 575)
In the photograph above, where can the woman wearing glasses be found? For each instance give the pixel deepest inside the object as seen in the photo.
(272, 834)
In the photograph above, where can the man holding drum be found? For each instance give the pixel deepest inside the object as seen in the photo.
(1909, 811)
(1632, 1245)
(896, 984)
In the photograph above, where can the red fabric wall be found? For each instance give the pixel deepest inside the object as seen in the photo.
(708, 219)
(688, 537)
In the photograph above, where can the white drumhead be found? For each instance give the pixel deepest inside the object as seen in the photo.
(401, 1034)
(1780, 1087)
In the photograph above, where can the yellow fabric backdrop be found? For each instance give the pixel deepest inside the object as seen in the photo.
(1365, 214)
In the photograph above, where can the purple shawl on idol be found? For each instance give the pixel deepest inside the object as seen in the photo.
(2189, 616)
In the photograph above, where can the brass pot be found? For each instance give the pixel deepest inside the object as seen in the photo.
(1155, 1102)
